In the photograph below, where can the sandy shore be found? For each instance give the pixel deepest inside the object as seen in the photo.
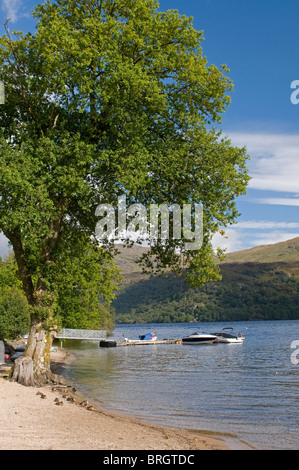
(53, 418)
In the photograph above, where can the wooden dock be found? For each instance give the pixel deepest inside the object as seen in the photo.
(114, 344)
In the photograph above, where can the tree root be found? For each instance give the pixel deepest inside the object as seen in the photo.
(24, 374)
(23, 371)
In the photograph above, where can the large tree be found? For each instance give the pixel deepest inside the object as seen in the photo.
(108, 98)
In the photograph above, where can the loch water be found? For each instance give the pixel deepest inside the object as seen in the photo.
(250, 390)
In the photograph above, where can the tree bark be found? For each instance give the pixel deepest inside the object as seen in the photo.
(36, 357)
(33, 368)
(23, 371)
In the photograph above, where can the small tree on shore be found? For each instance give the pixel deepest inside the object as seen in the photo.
(107, 97)
(14, 312)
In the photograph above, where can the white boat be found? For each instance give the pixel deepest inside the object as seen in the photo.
(200, 338)
(143, 339)
(224, 337)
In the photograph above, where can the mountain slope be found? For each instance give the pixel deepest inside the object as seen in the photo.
(259, 283)
(278, 252)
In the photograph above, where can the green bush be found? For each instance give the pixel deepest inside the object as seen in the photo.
(14, 314)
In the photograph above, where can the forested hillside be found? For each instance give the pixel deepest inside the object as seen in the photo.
(251, 289)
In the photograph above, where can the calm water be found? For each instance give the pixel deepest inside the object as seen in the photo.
(249, 389)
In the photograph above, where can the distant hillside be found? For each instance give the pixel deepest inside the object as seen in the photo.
(283, 252)
(127, 257)
(261, 283)
(278, 252)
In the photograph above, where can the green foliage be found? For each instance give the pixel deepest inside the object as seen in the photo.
(85, 285)
(14, 314)
(104, 99)
(8, 273)
(14, 308)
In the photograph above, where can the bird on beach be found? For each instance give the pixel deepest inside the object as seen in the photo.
(58, 402)
(84, 403)
(90, 408)
(71, 399)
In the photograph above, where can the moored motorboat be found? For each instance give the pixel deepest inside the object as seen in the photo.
(149, 337)
(224, 337)
(200, 338)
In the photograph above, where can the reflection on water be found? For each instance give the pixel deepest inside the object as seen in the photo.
(248, 389)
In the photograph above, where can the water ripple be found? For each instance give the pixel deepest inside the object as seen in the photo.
(250, 389)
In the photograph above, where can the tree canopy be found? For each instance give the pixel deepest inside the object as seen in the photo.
(108, 98)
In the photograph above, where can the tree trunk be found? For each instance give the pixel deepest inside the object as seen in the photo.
(23, 371)
(37, 370)
(33, 368)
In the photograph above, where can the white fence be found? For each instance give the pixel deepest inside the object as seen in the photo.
(87, 335)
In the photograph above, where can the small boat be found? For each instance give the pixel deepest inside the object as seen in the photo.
(149, 337)
(225, 337)
(200, 338)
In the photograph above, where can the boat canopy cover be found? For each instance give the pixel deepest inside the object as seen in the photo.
(147, 337)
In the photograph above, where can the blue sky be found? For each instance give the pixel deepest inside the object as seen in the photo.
(258, 41)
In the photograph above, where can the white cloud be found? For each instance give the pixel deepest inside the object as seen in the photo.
(274, 163)
(238, 237)
(4, 248)
(12, 9)
(264, 224)
(236, 240)
(279, 201)
(273, 237)
(232, 241)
